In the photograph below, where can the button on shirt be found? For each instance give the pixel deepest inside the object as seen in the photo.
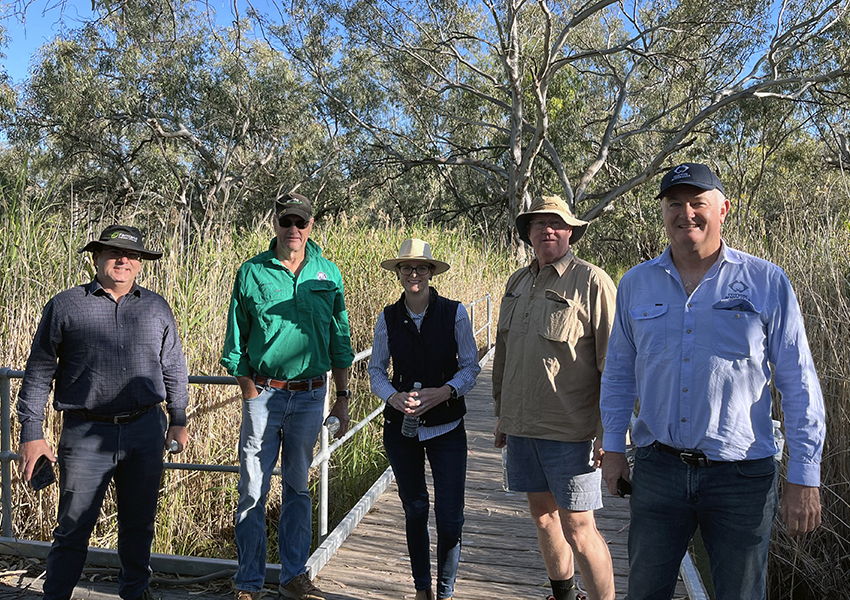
(700, 365)
(553, 329)
(106, 357)
(284, 327)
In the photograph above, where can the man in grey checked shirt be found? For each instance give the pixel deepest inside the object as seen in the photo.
(113, 349)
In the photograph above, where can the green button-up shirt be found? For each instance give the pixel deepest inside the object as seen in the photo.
(284, 327)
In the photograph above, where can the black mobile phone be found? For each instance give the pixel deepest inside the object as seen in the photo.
(624, 488)
(42, 474)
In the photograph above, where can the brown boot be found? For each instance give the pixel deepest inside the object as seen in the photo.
(424, 595)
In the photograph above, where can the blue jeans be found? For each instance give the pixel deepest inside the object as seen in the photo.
(447, 456)
(91, 454)
(276, 421)
(733, 503)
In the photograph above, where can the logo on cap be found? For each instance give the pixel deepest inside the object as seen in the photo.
(123, 236)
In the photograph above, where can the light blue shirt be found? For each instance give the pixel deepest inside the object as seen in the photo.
(463, 381)
(701, 365)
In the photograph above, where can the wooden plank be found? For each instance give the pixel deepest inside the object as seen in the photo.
(500, 557)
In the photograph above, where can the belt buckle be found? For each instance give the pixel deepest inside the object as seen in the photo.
(694, 458)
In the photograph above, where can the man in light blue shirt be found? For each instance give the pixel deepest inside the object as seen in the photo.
(696, 333)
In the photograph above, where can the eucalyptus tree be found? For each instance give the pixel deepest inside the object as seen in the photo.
(586, 99)
(155, 106)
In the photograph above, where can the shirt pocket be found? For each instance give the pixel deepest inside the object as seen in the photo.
(506, 311)
(738, 331)
(562, 318)
(273, 304)
(649, 325)
(318, 299)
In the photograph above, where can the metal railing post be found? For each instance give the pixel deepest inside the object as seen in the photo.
(323, 468)
(321, 459)
(472, 315)
(6, 448)
(489, 321)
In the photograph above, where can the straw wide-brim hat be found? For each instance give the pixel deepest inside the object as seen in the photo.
(414, 249)
(552, 205)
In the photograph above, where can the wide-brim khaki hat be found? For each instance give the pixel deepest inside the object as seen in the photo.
(414, 249)
(552, 205)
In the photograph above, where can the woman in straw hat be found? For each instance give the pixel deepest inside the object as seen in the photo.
(435, 361)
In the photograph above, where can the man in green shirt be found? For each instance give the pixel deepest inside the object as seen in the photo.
(286, 327)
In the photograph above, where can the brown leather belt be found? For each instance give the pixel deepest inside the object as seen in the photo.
(300, 385)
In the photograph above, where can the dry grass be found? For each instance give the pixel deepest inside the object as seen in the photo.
(39, 258)
(196, 276)
(812, 244)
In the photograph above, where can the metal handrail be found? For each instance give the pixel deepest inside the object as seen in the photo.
(321, 458)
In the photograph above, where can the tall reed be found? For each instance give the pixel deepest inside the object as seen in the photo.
(196, 275)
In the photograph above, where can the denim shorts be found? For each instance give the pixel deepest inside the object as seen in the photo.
(563, 468)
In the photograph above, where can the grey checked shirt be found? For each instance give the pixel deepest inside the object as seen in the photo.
(106, 357)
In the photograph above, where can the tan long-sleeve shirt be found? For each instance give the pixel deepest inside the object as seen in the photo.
(553, 330)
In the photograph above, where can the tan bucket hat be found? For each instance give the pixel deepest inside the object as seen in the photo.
(550, 205)
(414, 249)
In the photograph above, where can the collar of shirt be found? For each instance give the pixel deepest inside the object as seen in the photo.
(560, 265)
(311, 250)
(95, 289)
(727, 254)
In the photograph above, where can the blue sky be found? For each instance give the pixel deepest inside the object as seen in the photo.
(44, 20)
(47, 18)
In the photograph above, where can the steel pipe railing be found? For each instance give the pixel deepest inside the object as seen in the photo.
(321, 459)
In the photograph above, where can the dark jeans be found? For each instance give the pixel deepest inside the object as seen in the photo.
(447, 456)
(90, 455)
(733, 503)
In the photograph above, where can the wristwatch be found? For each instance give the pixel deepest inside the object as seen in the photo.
(343, 393)
(452, 393)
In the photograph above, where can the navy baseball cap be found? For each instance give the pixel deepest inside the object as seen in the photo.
(694, 174)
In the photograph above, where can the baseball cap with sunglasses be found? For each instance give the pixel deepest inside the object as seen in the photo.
(286, 223)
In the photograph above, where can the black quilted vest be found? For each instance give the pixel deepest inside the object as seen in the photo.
(428, 355)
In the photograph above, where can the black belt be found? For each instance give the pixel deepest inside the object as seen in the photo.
(121, 419)
(694, 458)
(300, 385)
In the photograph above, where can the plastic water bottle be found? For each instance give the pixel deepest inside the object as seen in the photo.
(505, 485)
(778, 440)
(332, 423)
(410, 425)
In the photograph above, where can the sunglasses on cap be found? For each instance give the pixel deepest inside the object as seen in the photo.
(286, 223)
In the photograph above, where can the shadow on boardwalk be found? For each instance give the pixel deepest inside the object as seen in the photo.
(500, 557)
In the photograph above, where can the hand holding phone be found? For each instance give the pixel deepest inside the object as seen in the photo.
(624, 488)
(42, 474)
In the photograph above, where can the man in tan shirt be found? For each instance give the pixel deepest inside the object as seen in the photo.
(554, 323)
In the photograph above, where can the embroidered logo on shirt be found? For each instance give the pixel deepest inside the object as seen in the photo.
(738, 290)
(321, 276)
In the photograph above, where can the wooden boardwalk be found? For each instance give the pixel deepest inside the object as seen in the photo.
(500, 557)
